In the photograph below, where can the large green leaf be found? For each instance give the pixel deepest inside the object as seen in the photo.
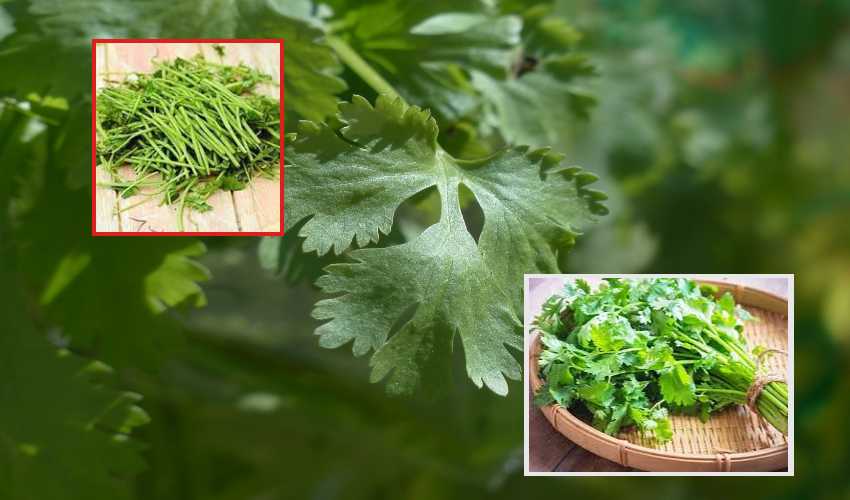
(408, 302)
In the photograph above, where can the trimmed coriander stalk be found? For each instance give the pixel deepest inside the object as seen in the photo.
(189, 129)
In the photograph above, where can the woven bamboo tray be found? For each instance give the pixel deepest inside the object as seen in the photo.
(732, 440)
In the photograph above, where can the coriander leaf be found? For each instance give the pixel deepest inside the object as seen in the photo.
(644, 316)
(726, 303)
(550, 321)
(559, 374)
(348, 182)
(575, 289)
(599, 393)
(543, 397)
(633, 391)
(563, 395)
(94, 305)
(730, 333)
(707, 361)
(559, 386)
(677, 386)
(440, 273)
(553, 343)
(583, 285)
(176, 279)
(603, 337)
(638, 416)
(543, 96)
(696, 311)
(654, 421)
(535, 108)
(663, 430)
(684, 328)
(743, 315)
(349, 190)
(616, 419)
(656, 357)
(724, 314)
(608, 332)
(603, 366)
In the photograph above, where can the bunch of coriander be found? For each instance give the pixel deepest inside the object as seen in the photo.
(189, 129)
(634, 350)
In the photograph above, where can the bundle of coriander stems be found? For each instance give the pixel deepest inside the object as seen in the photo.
(189, 129)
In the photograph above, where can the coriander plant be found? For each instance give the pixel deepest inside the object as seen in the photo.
(423, 176)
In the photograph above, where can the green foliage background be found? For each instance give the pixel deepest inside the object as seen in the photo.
(719, 132)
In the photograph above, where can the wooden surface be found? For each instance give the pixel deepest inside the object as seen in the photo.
(254, 209)
(549, 450)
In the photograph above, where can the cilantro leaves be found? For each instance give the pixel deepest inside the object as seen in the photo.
(677, 386)
(428, 48)
(541, 98)
(409, 302)
(634, 350)
(311, 83)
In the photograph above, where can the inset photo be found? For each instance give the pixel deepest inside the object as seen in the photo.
(187, 137)
(660, 375)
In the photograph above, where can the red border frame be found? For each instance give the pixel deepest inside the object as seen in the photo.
(94, 43)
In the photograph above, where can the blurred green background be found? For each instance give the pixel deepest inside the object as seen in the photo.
(721, 134)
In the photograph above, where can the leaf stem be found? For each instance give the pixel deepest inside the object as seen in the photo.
(362, 68)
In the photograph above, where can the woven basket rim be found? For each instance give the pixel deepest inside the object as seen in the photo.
(598, 435)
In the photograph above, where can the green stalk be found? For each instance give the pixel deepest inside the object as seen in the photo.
(363, 69)
(186, 122)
